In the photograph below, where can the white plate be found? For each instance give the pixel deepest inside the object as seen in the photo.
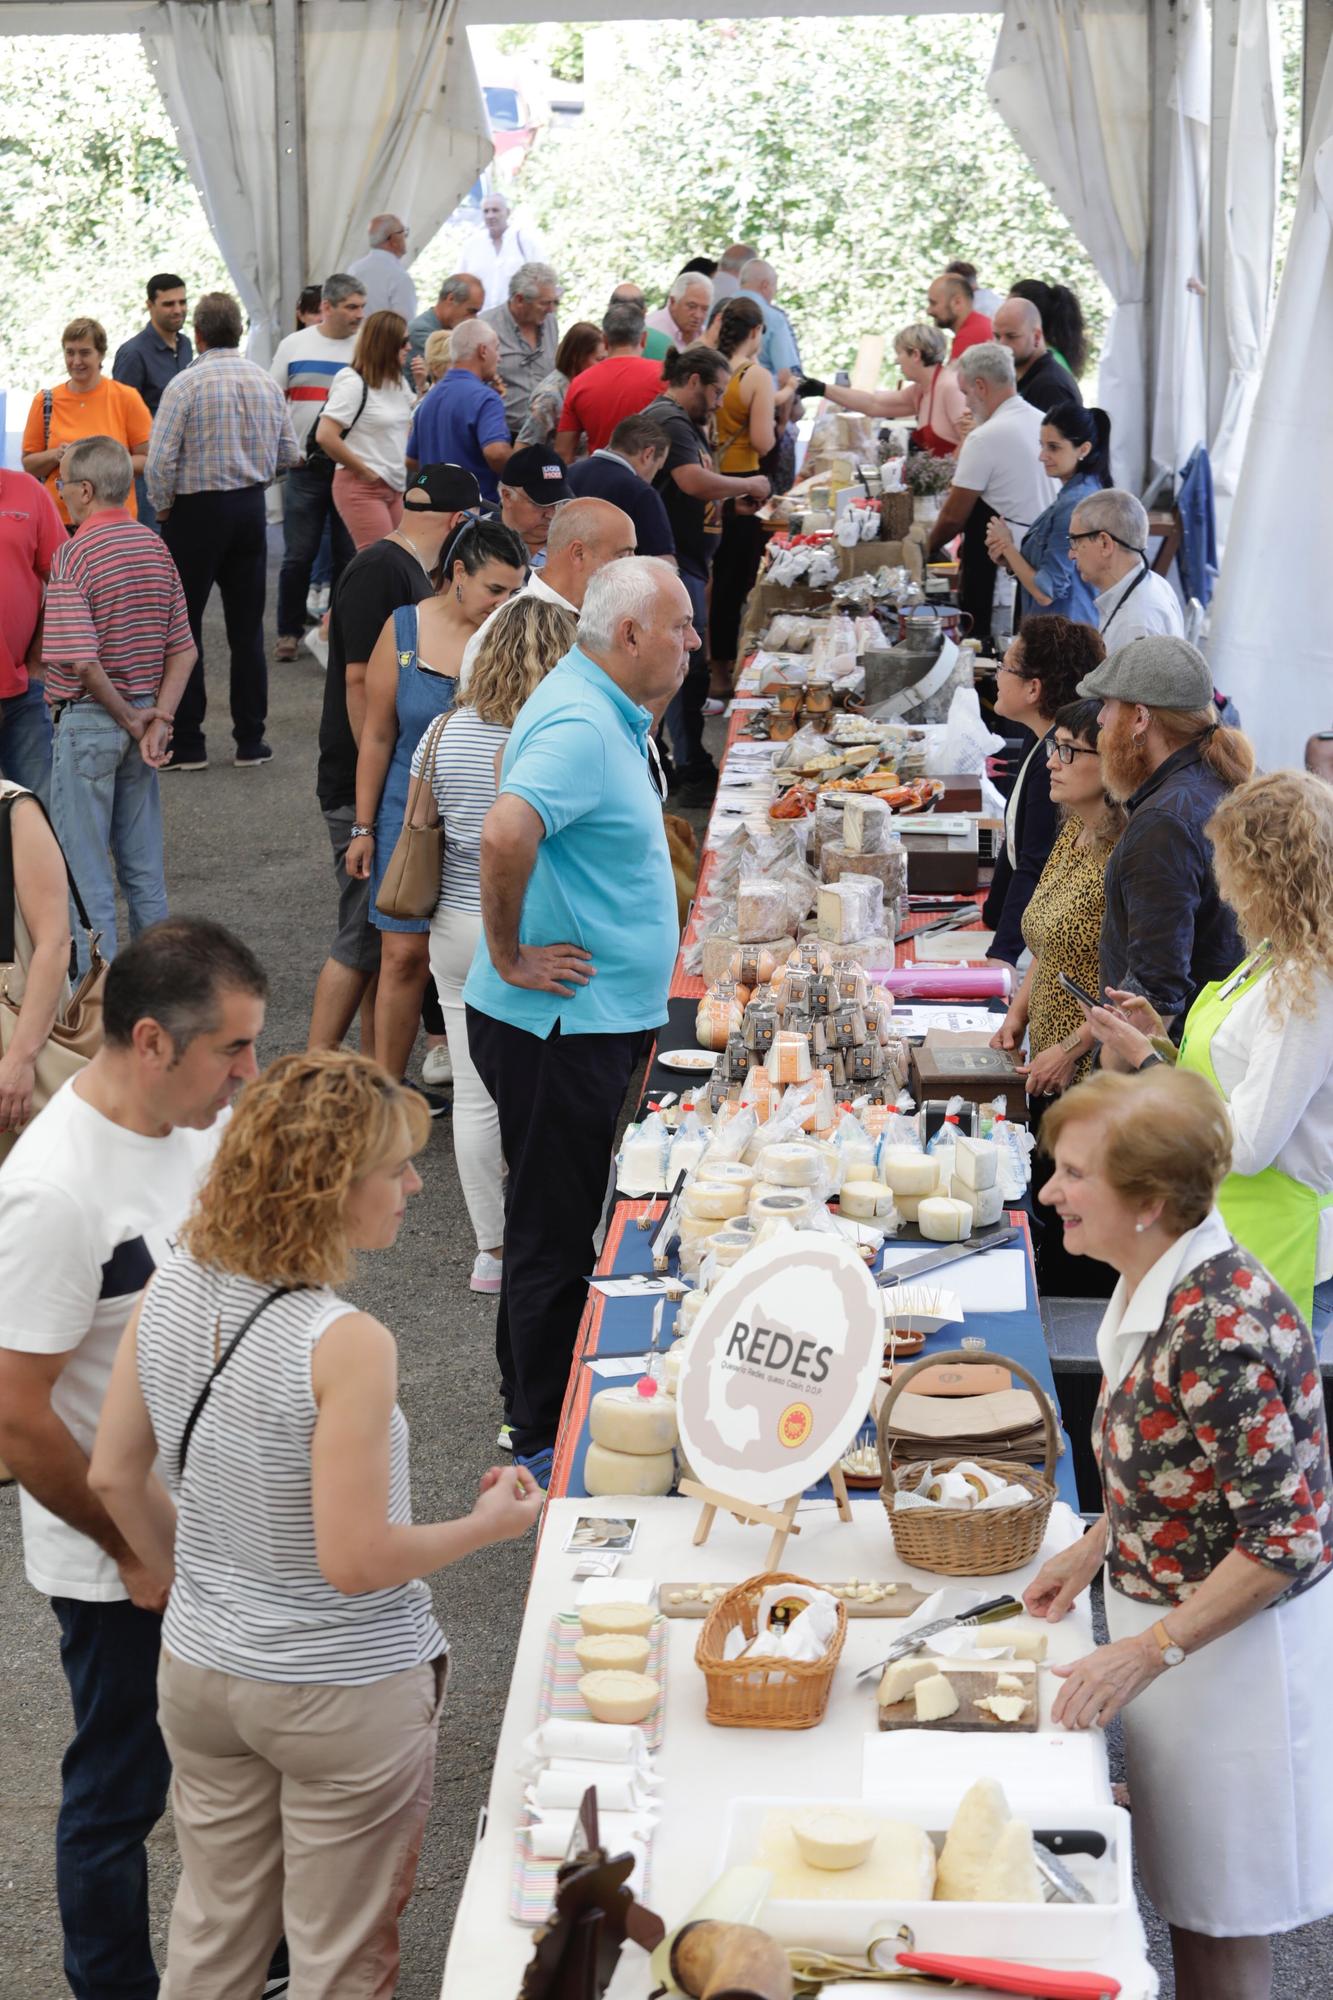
(694, 1060)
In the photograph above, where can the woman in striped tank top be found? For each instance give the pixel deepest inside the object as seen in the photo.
(302, 1670)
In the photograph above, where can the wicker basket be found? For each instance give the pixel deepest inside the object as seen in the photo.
(762, 1694)
(959, 1541)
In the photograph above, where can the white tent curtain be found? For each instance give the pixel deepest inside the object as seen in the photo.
(1253, 176)
(1180, 394)
(1071, 79)
(1272, 645)
(394, 119)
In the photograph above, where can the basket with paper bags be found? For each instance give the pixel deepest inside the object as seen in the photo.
(767, 1652)
(960, 1492)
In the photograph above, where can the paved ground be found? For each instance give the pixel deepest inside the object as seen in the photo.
(249, 848)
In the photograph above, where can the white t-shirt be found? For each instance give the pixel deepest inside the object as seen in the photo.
(534, 587)
(495, 264)
(305, 368)
(1131, 610)
(999, 461)
(379, 436)
(87, 1212)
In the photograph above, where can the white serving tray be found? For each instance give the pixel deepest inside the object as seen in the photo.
(1025, 1931)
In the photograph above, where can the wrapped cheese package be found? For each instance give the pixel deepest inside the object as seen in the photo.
(717, 1017)
(762, 909)
(867, 824)
(793, 1205)
(886, 866)
(788, 1061)
(714, 1201)
(793, 1165)
(850, 908)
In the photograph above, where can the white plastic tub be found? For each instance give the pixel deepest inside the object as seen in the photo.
(1031, 1931)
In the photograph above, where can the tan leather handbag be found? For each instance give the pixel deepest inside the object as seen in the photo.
(410, 886)
(75, 1039)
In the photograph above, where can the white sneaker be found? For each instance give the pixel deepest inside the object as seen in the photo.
(486, 1273)
(437, 1068)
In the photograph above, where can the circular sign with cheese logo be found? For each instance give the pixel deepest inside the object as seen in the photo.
(778, 1373)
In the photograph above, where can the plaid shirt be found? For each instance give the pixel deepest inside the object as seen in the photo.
(220, 426)
(1166, 931)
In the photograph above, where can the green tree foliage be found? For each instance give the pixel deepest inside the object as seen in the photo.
(94, 196)
(860, 155)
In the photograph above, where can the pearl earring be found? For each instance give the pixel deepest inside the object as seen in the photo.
(1139, 1228)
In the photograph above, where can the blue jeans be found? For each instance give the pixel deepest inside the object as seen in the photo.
(114, 1781)
(106, 805)
(25, 741)
(147, 511)
(307, 509)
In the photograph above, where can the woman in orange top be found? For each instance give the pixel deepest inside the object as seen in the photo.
(746, 432)
(89, 404)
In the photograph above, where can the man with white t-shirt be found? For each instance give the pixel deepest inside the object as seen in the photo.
(91, 1198)
(303, 368)
(998, 472)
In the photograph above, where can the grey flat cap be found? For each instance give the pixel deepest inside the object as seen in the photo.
(1159, 670)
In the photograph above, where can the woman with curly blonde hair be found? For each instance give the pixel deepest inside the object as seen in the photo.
(520, 643)
(1264, 1036)
(302, 1669)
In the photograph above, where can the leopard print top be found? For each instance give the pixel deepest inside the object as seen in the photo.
(1061, 927)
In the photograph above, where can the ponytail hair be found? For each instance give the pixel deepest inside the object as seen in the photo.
(1227, 752)
(1061, 318)
(1079, 425)
(679, 364)
(740, 317)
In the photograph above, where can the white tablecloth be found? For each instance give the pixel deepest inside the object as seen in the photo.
(703, 1767)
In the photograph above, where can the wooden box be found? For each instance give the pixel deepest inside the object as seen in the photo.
(942, 855)
(964, 1065)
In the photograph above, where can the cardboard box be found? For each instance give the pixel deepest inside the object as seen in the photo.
(942, 858)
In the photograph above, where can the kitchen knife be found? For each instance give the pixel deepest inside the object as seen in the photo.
(936, 1257)
(1073, 1840)
(989, 1613)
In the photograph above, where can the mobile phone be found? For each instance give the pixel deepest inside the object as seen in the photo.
(1079, 992)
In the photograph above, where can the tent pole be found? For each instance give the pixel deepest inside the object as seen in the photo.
(1226, 32)
(1316, 36)
(1161, 70)
(289, 124)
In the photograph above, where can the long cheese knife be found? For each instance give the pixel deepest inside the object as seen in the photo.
(948, 1253)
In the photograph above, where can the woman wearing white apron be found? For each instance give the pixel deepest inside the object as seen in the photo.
(1217, 1538)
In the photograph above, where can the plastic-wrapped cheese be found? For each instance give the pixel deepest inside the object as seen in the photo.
(850, 908)
(888, 868)
(935, 1699)
(976, 1161)
(637, 1473)
(617, 1617)
(794, 1205)
(788, 1061)
(734, 1172)
(986, 1204)
(761, 909)
(730, 1245)
(716, 1018)
(621, 1652)
(790, 1165)
(905, 1171)
(981, 1818)
(624, 1420)
(943, 1220)
(866, 823)
(693, 1228)
(1010, 1875)
(865, 1201)
(718, 1201)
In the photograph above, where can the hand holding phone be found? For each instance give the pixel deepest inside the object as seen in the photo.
(1080, 993)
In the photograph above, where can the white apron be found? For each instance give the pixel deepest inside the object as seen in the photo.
(1230, 1771)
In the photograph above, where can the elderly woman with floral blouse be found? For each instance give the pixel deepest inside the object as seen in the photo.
(1217, 1539)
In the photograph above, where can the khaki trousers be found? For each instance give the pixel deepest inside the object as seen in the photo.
(297, 1808)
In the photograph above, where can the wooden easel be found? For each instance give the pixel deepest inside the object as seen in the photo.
(782, 1520)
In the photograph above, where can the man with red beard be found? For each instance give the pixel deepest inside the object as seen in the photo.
(1166, 931)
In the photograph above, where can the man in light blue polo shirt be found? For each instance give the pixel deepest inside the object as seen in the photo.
(462, 420)
(778, 351)
(580, 935)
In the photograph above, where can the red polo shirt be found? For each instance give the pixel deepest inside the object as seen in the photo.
(608, 392)
(975, 328)
(30, 533)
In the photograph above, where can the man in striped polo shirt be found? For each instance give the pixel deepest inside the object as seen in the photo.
(118, 652)
(303, 368)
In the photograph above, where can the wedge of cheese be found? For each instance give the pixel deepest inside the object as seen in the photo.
(1010, 1875)
(935, 1699)
(901, 1676)
(976, 1161)
(981, 1818)
(986, 1204)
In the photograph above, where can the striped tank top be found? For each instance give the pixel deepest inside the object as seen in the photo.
(249, 1597)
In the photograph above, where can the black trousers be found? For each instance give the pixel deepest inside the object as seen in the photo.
(222, 539)
(559, 1101)
(1059, 1273)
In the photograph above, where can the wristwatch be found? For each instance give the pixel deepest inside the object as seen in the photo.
(1172, 1654)
(363, 833)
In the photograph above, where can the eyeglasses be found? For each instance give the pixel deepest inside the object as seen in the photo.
(1018, 673)
(1067, 752)
(1087, 535)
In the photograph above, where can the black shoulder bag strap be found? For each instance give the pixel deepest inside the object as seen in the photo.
(9, 883)
(279, 1292)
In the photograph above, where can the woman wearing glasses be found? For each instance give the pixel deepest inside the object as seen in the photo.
(363, 428)
(1061, 928)
(1075, 447)
(1041, 671)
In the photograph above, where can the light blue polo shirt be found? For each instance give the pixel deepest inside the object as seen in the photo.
(777, 349)
(578, 754)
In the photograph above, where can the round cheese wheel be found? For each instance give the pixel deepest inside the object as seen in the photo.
(834, 1839)
(864, 1200)
(792, 1165)
(733, 1172)
(941, 1219)
(637, 1473)
(780, 1205)
(623, 1420)
(905, 1171)
(730, 1245)
(622, 1652)
(695, 1227)
(617, 1617)
(609, 1696)
(717, 1200)
(908, 1205)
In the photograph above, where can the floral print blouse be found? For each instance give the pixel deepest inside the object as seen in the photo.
(1216, 1440)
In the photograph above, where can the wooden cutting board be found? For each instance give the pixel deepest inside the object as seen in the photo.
(906, 1598)
(968, 1684)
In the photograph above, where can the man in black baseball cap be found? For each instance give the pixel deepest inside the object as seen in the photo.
(531, 488)
(378, 581)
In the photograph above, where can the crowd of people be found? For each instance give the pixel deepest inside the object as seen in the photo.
(537, 549)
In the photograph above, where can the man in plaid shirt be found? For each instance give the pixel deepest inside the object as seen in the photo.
(221, 434)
